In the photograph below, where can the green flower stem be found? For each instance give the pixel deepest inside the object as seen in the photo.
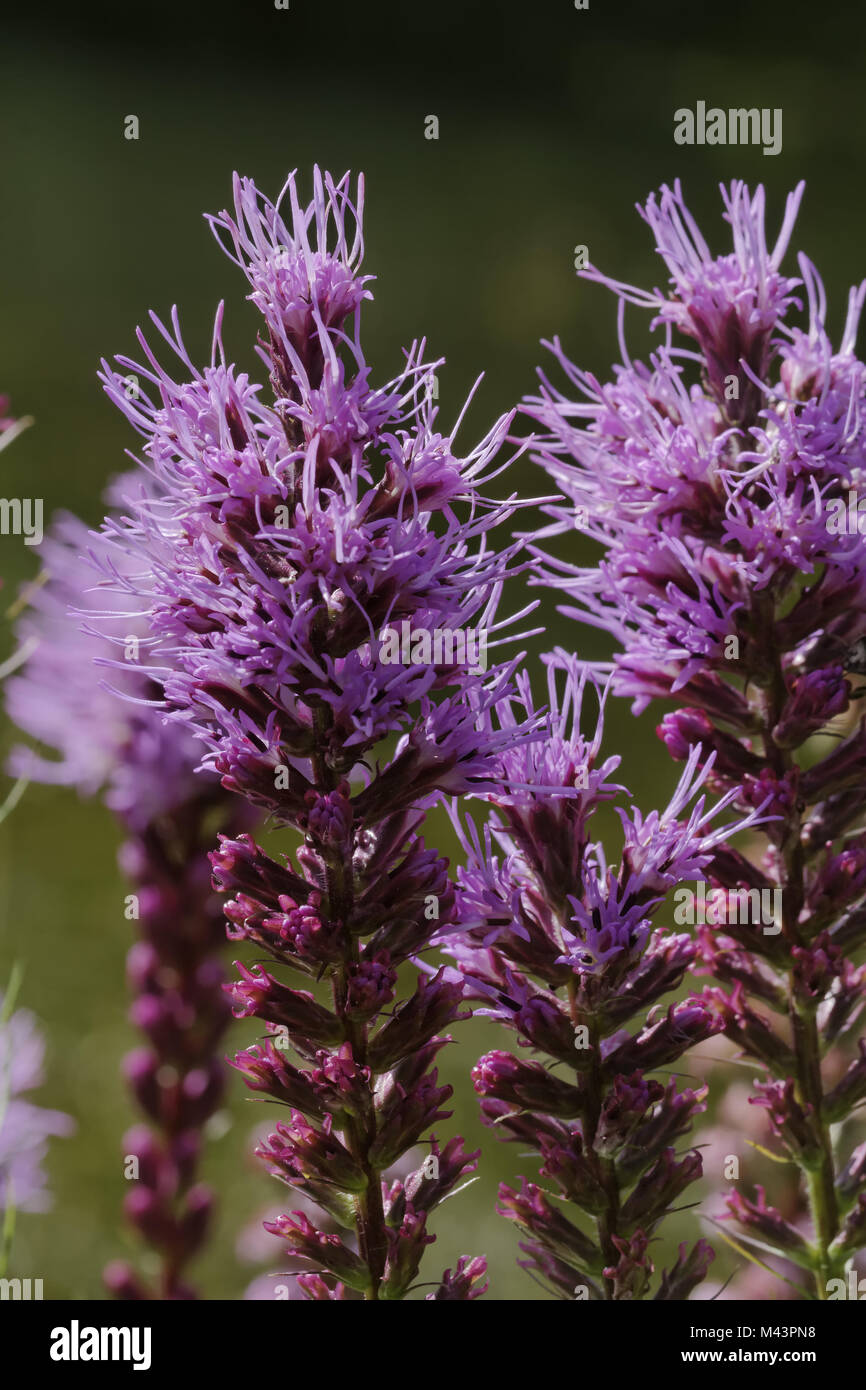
(820, 1176)
(360, 1132)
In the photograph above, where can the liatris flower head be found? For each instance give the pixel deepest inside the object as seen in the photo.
(314, 561)
(562, 948)
(279, 553)
(721, 479)
(730, 305)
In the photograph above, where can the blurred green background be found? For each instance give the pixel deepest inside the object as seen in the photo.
(553, 123)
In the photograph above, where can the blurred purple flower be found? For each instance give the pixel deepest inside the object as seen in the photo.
(25, 1128)
(98, 741)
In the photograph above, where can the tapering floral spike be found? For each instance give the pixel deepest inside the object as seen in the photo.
(146, 773)
(723, 481)
(561, 948)
(319, 579)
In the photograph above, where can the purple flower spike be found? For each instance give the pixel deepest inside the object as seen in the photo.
(562, 949)
(722, 479)
(321, 589)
